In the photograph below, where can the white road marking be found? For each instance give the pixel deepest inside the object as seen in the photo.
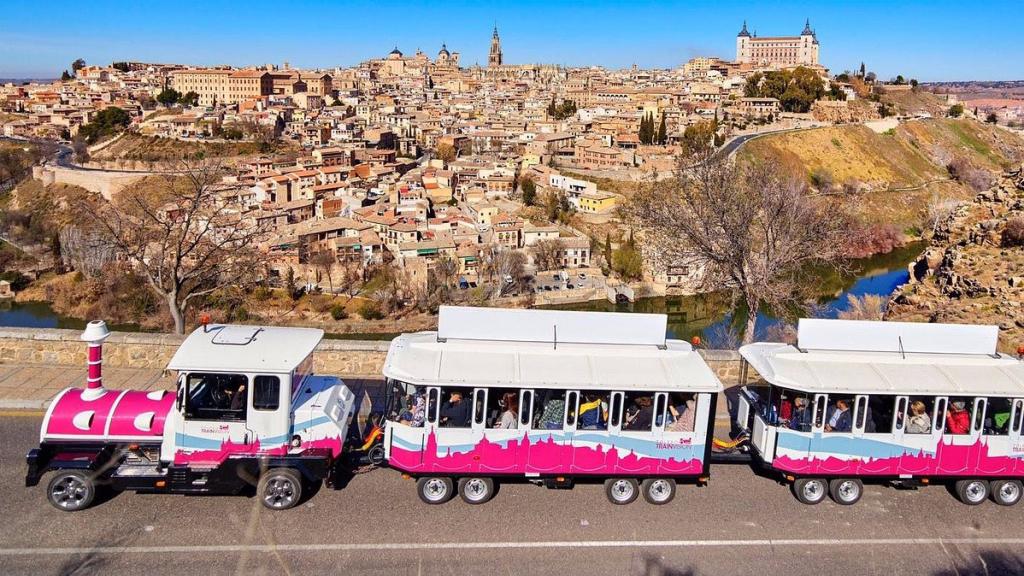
(385, 546)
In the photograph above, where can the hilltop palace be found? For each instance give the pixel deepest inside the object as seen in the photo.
(781, 50)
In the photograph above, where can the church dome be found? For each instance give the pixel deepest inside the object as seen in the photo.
(395, 52)
(444, 50)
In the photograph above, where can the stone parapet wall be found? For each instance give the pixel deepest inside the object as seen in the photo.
(346, 358)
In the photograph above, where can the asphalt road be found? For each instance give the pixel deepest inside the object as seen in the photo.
(739, 524)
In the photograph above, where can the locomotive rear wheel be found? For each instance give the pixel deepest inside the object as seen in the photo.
(972, 492)
(846, 491)
(1006, 492)
(658, 490)
(71, 491)
(476, 490)
(280, 488)
(810, 490)
(435, 489)
(621, 491)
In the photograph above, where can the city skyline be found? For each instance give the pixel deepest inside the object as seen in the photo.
(600, 34)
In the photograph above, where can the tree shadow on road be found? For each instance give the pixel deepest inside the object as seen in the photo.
(95, 561)
(984, 563)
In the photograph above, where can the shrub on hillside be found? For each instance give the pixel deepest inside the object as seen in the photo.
(338, 312)
(1013, 234)
(371, 311)
(821, 178)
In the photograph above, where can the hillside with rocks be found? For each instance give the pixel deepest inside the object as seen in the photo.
(973, 268)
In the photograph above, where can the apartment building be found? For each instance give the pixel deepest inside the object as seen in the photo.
(219, 86)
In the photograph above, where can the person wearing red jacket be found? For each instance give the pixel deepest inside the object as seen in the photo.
(958, 419)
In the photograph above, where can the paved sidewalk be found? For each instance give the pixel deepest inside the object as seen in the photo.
(34, 385)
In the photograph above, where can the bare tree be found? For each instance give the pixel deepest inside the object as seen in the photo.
(547, 254)
(85, 250)
(866, 307)
(498, 264)
(754, 230)
(324, 261)
(180, 236)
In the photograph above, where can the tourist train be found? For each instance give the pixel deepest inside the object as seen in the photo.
(555, 398)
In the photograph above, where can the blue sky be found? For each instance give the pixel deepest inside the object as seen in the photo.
(929, 40)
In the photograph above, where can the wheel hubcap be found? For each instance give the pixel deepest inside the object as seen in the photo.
(848, 490)
(435, 489)
(476, 489)
(622, 490)
(69, 493)
(975, 491)
(813, 491)
(280, 493)
(660, 490)
(1009, 492)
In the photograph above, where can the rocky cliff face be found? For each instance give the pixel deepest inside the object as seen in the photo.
(970, 273)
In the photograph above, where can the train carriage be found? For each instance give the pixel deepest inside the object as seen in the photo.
(887, 401)
(551, 396)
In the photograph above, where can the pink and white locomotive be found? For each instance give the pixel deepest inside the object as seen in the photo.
(897, 402)
(248, 411)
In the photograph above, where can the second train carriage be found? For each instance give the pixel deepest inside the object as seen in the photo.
(551, 396)
(887, 401)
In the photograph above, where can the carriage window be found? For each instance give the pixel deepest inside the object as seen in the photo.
(266, 393)
(524, 409)
(682, 411)
(979, 414)
(548, 409)
(216, 397)
(639, 411)
(820, 404)
(571, 401)
(479, 405)
(795, 411)
(861, 409)
(433, 406)
(939, 422)
(503, 408)
(997, 421)
(958, 415)
(919, 415)
(456, 407)
(901, 411)
(615, 412)
(1018, 406)
(880, 414)
(660, 410)
(840, 414)
(593, 412)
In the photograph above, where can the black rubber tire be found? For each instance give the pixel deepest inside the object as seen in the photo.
(71, 490)
(279, 488)
(375, 455)
(810, 490)
(972, 491)
(621, 491)
(1006, 492)
(435, 489)
(476, 490)
(846, 491)
(658, 491)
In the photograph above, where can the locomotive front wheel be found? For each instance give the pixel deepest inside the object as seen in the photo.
(846, 491)
(810, 490)
(621, 491)
(435, 490)
(972, 492)
(280, 488)
(658, 490)
(71, 491)
(1006, 492)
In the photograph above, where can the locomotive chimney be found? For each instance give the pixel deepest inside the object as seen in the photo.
(94, 335)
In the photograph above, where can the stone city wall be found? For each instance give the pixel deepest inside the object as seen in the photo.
(345, 358)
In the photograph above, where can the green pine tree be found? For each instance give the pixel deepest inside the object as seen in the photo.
(662, 131)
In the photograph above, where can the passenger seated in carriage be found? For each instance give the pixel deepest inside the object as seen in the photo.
(919, 422)
(840, 419)
(593, 413)
(509, 419)
(800, 417)
(958, 419)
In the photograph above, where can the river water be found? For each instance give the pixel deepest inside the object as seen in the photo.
(704, 315)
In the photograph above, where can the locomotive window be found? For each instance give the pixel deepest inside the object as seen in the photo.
(266, 393)
(997, 421)
(216, 397)
(570, 403)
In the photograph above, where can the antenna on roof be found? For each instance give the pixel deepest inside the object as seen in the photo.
(902, 352)
(555, 327)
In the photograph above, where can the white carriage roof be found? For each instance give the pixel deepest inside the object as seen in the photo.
(423, 360)
(836, 356)
(228, 348)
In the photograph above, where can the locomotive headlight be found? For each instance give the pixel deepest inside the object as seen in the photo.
(296, 441)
